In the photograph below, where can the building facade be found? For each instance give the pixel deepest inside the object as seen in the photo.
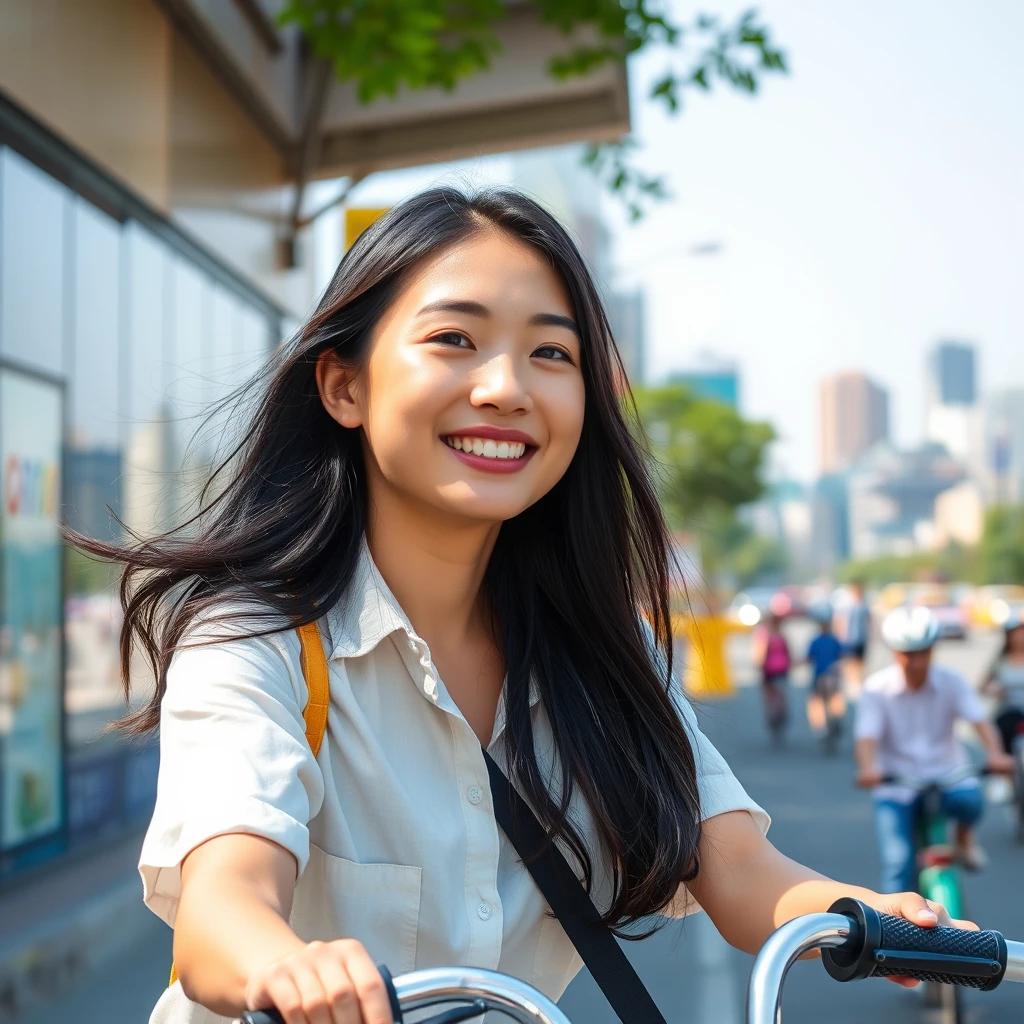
(155, 242)
(854, 418)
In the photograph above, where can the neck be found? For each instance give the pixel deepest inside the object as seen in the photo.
(434, 567)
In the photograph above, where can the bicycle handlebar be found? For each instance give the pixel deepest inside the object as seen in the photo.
(481, 990)
(856, 942)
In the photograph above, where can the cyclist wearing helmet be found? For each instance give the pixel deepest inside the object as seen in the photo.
(905, 727)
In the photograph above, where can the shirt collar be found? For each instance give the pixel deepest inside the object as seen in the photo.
(367, 612)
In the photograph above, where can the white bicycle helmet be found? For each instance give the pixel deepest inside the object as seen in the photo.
(909, 629)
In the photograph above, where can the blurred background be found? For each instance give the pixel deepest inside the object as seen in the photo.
(807, 224)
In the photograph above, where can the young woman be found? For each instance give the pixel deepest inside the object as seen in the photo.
(441, 475)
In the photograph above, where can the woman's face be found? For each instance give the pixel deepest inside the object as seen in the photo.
(471, 396)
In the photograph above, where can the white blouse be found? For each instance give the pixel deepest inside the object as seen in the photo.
(392, 824)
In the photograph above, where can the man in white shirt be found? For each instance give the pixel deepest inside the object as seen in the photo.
(905, 730)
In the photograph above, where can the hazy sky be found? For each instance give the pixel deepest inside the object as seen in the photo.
(866, 205)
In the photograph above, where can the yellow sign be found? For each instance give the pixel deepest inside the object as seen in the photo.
(358, 219)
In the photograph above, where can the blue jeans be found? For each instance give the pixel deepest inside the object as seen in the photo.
(894, 823)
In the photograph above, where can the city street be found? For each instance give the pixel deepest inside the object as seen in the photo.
(819, 818)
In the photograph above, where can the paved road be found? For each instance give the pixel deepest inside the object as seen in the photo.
(819, 818)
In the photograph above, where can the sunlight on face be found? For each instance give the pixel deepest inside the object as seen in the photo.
(480, 341)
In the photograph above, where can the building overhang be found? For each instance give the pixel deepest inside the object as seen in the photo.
(515, 104)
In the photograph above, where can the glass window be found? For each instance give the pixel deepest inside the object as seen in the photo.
(148, 494)
(93, 472)
(33, 212)
(188, 389)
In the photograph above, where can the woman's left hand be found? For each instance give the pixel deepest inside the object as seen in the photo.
(917, 910)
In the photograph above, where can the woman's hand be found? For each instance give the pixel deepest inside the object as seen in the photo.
(917, 910)
(323, 983)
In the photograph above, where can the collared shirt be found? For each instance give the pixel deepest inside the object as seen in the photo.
(915, 729)
(392, 824)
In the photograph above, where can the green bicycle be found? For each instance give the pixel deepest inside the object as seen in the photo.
(938, 871)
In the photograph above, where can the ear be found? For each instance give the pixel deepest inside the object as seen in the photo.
(338, 391)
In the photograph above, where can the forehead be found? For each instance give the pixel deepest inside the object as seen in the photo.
(490, 267)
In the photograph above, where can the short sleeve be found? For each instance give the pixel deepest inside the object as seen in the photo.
(719, 789)
(233, 755)
(870, 720)
(968, 705)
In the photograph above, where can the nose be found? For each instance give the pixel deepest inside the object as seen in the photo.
(501, 386)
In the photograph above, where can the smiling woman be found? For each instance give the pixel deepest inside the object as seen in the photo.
(441, 483)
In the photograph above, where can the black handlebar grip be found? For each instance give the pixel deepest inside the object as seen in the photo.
(273, 1017)
(883, 946)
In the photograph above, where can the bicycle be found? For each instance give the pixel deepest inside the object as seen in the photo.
(856, 941)
(1017, 752)
(937, 876)
(828, 689)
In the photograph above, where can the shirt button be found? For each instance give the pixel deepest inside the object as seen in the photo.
(474, 794)
(484, 911)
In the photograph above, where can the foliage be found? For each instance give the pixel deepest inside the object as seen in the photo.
(385, 45)
(998, 558)
(710, 461)
(1001, 551)
(951, 564)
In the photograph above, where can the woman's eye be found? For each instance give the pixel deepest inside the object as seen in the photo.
(554, 353)
(454, 338)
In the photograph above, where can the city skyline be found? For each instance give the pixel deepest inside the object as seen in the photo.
(857, 218)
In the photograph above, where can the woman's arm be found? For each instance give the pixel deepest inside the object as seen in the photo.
(234, 949)
(749, 888)
(236, 896)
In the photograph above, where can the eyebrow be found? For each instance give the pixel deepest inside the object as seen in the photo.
(478, 309)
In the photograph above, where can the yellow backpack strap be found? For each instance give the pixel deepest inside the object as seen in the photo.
(315, 671)
(317, 675)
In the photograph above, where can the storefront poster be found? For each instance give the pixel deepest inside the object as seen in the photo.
(31, 693)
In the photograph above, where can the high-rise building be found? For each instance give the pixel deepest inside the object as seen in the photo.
(952, 417)
(952, 374)
(854, 418)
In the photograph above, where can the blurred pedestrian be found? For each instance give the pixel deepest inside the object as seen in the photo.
(825, 704)
(855, 635)
(905, 738)
(1005, 682)
(773, 658)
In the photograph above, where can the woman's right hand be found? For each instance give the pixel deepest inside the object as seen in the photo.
(322, 983)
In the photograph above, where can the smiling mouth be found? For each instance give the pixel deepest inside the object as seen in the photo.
(499, 451)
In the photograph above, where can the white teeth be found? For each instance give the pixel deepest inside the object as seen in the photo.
(487, 448)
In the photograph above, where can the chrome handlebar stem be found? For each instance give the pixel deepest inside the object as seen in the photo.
(783, 948)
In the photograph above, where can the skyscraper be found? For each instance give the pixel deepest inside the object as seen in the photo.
(854, 417)
(952, 374)
(952, 416)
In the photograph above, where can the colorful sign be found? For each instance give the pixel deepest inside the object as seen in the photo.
(31, 692)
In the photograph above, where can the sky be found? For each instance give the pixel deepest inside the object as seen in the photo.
(861, 208)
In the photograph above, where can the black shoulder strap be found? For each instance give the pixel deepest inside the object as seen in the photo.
(572, 906)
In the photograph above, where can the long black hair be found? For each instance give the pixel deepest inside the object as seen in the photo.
(568, 581)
